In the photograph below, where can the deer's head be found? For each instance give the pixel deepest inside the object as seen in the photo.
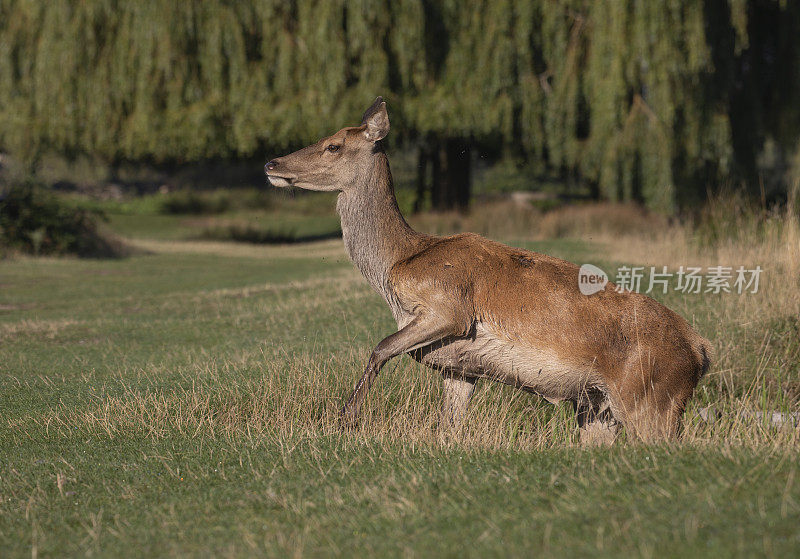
(335, 162)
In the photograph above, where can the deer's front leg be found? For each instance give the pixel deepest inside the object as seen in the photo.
(456, 394)
(418, 333)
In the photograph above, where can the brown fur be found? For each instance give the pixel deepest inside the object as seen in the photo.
(473, 308)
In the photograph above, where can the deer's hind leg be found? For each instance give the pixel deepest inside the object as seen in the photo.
(651, 417)
(596, 423)
(650, 405)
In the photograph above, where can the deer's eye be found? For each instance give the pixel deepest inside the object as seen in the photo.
(333, 148)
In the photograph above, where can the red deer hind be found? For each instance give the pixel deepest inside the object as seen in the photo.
(472, 308)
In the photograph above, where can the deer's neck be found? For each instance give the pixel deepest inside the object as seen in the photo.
(375, 234)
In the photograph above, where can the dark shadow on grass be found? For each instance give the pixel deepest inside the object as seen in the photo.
(104, 245)
(255, 235)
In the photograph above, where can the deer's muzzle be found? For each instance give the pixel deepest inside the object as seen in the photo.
(274, 178)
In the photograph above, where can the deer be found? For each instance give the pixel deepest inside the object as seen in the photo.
(471, 308)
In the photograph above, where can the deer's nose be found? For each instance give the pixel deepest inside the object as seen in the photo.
(271, 166)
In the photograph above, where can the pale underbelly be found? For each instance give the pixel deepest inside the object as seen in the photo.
(489, 356)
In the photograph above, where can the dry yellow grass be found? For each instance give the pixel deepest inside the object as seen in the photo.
(301, 401)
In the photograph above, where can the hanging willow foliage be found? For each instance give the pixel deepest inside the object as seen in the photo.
(647, 101)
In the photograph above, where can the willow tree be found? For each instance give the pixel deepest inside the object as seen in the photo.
(649, 101)
(658, 102)
(468, 93)
(160, 80)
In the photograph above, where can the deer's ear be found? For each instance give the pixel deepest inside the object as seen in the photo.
(372, 108)
(376, 120)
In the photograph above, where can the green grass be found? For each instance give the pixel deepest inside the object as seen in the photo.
(187, 496)
(256, 216)
(182, 402)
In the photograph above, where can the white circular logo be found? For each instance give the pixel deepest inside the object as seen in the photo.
(591, 279)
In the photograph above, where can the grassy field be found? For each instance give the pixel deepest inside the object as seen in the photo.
(183, 400)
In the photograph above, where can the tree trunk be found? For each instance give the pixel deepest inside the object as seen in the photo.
(450, 188)
(438, 176)
(459, 172)
(423, 159)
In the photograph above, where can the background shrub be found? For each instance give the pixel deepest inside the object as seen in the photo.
(34, 221)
